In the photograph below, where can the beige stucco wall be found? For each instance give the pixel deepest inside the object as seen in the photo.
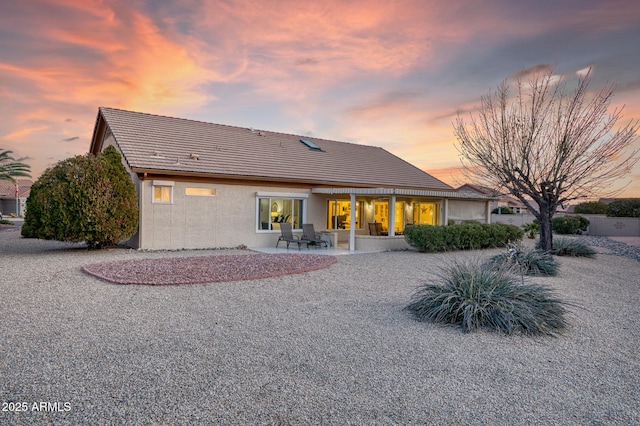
(227, 219)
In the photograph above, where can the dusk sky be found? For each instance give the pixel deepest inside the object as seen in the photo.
(387, 73)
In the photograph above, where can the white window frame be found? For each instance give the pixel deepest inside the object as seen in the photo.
(289, 195)
(161, 184)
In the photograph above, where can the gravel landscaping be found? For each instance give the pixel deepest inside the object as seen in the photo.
(206, 269)
(328, 346)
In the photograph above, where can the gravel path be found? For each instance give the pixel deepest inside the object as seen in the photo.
(331, 346)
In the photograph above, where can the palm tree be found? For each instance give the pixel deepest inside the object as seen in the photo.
(10, 169)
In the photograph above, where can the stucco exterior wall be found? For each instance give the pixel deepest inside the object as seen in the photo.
(226, 219)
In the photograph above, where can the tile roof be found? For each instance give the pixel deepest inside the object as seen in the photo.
(155, 143)
(8, 188)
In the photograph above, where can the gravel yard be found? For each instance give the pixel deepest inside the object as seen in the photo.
(329, 346)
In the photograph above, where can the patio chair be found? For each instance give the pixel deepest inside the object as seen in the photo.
(288, 237)
(375, 229)
(310, 236)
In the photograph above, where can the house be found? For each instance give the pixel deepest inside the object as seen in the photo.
(204, 185)
(13, 196)
(499, 200)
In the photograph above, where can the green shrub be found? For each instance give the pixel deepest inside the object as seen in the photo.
(83, 198)
(569, 224)
(625, 207)
(591, 207)
(531, 229)
(429, 238)
(527, 262)
(476, 296)
(502, 210)
(571, 247)
(6, 222)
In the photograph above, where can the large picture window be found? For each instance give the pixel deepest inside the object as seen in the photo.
(381, 215)
(275, 210)
(425, 213)
(339, 214)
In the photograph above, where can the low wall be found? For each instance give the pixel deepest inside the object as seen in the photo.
(383, 243)
(512, 219)
(599, 225)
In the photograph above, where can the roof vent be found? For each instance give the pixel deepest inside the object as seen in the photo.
(311, 145)
(194, 157)
(156, 154)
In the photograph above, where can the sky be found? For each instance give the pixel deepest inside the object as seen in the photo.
(393, 74)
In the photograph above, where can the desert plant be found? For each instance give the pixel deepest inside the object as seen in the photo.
(625, 207)
(429, 238)
(527, 262)
(502, 210)
(83, 198)
(591, 207)
(571, 247)
(476, 296)
(531, 229)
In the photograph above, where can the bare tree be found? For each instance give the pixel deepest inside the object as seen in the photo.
(548, 144)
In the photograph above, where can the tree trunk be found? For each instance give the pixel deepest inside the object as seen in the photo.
(544, 223)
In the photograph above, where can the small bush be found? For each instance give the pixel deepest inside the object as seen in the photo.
(429, 238)
(475, 296)
(6, 222)
(591, 207)
(531, 229)
(569, 224)
(625, 207)
(527, 262)
(502, 210)
(571, 247)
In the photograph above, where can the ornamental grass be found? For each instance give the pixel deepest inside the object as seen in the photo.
(475, 296)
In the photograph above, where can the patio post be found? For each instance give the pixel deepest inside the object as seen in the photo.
(352, 223)
(445, 216)
(488, 211)
(392, 216)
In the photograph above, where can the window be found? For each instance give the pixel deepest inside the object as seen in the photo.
(162, 194)
(425, 213)
(381, 209)
(204, 192)
(274, 210)
(339, 214)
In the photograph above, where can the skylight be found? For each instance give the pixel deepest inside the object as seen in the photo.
(311, 145)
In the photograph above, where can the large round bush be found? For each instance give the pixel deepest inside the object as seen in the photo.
(83, 198)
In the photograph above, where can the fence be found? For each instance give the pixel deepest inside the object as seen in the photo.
(599, 225)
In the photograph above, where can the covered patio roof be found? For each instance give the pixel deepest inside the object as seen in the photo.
(392, 193)
(402, 192)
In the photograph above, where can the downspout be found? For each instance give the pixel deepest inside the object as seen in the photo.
(352, 224)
